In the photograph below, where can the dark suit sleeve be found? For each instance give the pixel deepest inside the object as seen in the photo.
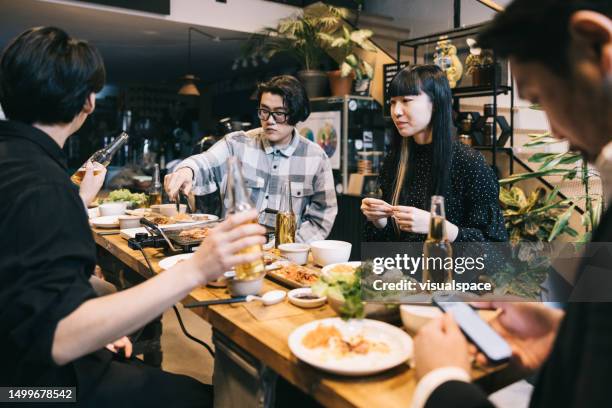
(458, 394)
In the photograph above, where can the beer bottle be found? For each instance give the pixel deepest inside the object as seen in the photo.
(437, 249)
(103, 156)
(285, 218)
(239, 201)
(155, 191)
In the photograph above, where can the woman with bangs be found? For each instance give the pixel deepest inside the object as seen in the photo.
(425, 161)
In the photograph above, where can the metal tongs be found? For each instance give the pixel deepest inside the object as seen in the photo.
(190, 207)
(154, 230)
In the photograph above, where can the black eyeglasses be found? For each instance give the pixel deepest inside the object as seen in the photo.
(279, 117)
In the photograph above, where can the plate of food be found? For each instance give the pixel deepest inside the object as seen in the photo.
(292, 275)
(108, 221)
(181, 218)
(353, 347)
(169, 262)
(193, 234)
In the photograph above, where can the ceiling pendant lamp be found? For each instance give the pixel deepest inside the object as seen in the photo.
(189, 87)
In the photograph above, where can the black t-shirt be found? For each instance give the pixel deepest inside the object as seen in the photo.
(47, 254)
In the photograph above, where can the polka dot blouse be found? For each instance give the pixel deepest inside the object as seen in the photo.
(472, 205)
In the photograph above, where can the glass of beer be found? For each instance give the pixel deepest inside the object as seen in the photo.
(77, 177)
(437, 247)
(285, 228)
(240, 202)
(286, 224)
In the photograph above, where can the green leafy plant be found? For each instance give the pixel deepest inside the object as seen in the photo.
(304, 36)
(531, 221)
(539, 217)
(568, 165)
(345, 44)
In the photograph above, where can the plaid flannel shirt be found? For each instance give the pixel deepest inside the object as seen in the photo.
(265, 169)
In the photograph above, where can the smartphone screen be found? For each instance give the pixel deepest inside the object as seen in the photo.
(478, 331)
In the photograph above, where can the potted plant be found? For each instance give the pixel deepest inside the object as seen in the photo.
(539, 217)
(345, 45)
(568, 165)
(304, 36)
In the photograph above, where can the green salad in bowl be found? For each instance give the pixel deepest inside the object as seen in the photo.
(134, 200)
(344, 293)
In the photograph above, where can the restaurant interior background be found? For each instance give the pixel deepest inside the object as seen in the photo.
(153, 49)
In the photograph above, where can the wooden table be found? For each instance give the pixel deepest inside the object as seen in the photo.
(267, 342)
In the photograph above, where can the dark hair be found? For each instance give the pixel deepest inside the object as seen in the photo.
(537, 31)
(431, 80)
(46, 76)
(293, 93)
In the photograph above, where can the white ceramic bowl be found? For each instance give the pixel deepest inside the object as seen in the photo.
(329, 252)
(169, 210)
(241, 287)
(296, 253)
(117, 208)
(129, 221)
(297, 297)
(416, 316)
(325, 271)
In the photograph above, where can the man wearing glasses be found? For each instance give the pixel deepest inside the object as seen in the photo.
(271, 155)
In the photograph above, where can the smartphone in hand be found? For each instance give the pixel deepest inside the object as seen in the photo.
(479, 332)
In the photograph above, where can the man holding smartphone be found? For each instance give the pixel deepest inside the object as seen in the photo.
(561, 57)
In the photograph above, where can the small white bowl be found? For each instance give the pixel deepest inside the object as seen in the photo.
(329, 251)
(129, 221)
(416, 316)
(297, 297)
(117, 208)
(241, 287)
(296, 253)
(218, 283)
(169, 210)
(326, 270)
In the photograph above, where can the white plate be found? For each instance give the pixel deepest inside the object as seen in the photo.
(277, 265)
(131, 232)
(399, 342)
(169, 262)
(108, 221)
(141, 212)
(200, 217)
